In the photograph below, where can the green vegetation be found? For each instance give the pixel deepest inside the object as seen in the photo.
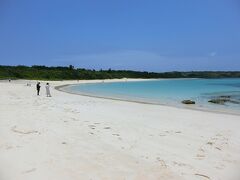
(68, 73)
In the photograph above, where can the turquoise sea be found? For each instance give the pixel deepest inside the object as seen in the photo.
(169, 92)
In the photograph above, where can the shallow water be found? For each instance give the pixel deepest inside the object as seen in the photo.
(170, 92)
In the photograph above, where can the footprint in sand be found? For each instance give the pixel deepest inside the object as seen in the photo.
(202, 175)
(92, 126)
(9, 147)
(210, 143)
(201, 154)
(165, 133)
(145, 157)
(14, 129)
(74, 119)
(220, 166)
(162, 135)
(219, 142)
(182, 164)
(29, 171)
(162, 162)
(218, 148)
(119, 138)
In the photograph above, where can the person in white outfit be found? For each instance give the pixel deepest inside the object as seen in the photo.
(48, 90)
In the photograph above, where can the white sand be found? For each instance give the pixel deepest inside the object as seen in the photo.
(72, 137)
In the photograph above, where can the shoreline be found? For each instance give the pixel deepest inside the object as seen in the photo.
(189, 107)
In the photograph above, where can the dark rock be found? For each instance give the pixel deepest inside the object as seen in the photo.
(234, 101)
(225, 97)
(218, 101)
(188, 102)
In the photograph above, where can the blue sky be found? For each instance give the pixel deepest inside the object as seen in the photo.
(151, 35)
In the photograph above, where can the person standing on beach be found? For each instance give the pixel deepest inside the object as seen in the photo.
(38, 88)
(48, 90)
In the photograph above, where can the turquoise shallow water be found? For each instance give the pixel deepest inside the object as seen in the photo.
(170, 92)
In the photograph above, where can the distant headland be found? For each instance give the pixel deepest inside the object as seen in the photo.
(71, 73)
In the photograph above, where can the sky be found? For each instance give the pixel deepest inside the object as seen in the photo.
(145, 35)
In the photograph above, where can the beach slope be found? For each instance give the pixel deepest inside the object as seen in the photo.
(71, 137)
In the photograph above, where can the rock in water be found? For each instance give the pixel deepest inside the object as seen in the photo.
(234, 101)
(226, 97)
(218, 101)
(188, 102)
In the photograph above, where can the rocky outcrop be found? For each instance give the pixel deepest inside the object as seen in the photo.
(188, 102)
(218, 101)
(224, 99)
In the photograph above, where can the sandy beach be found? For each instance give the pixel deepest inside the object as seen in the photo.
(73, 137)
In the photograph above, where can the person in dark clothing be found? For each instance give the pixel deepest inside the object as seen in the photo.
(38, 88)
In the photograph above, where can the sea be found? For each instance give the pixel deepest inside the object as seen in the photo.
(169, 92)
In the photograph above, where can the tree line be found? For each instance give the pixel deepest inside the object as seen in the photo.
(71, 73)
